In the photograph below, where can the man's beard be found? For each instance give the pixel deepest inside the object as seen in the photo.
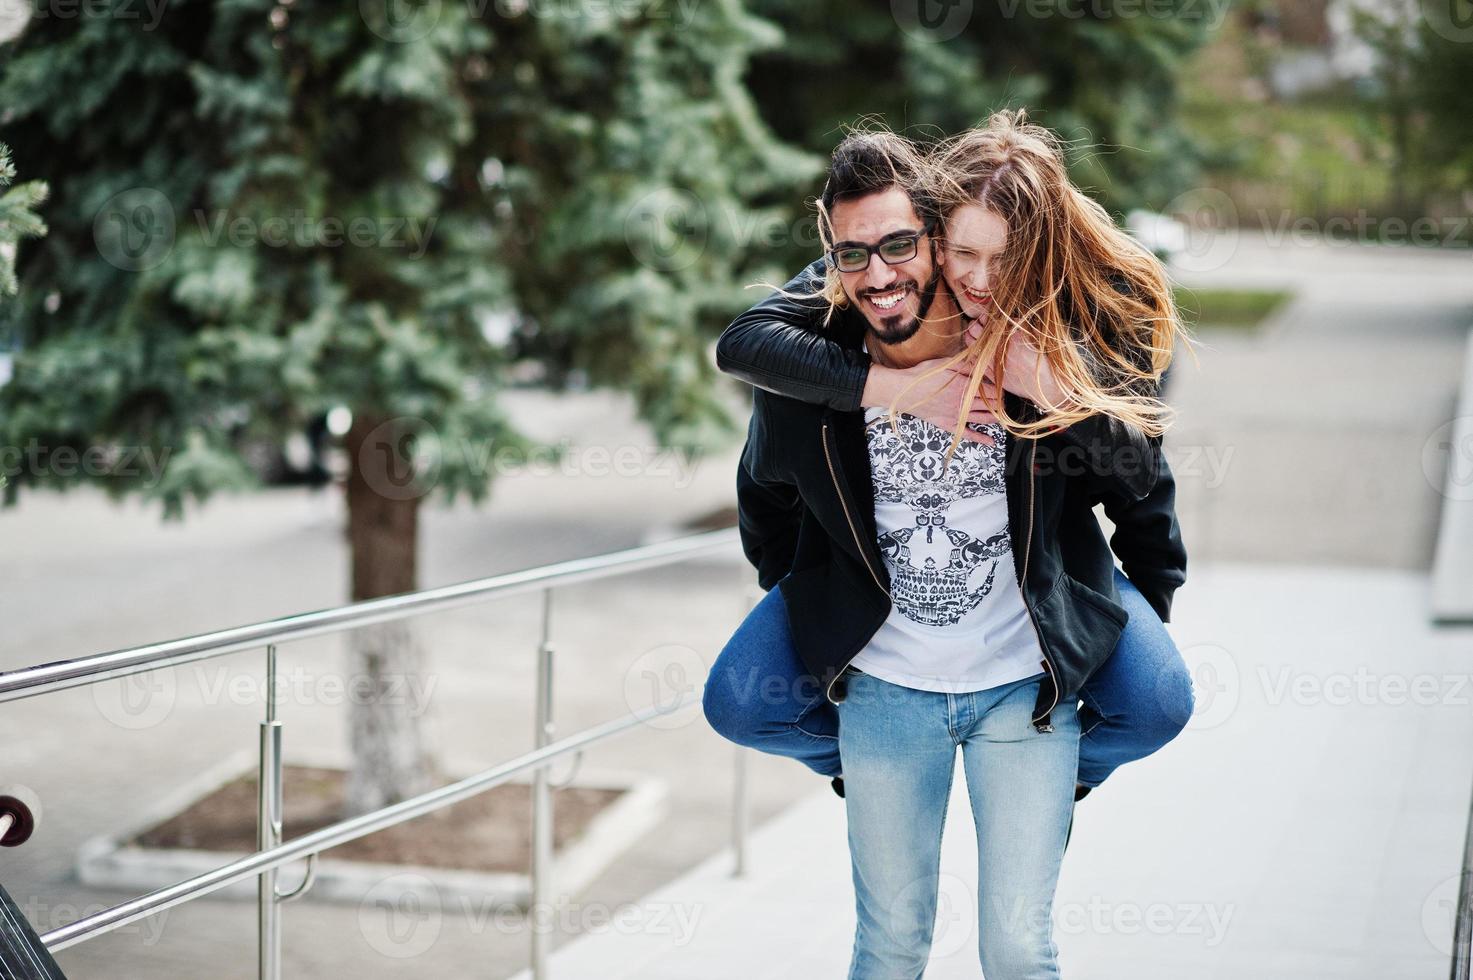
(895, 330)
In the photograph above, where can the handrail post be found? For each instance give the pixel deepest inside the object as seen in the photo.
(542, 795)
(1462, 960)
(268, 831)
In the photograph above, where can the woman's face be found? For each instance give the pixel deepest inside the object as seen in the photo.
(974, 239)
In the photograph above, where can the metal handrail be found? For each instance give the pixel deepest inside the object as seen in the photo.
(63, 674)
(339, 833)
(271, 853)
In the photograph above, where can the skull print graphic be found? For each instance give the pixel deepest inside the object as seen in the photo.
(941, 569)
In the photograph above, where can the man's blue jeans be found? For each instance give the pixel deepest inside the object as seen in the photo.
(759, 694)
(899, 746)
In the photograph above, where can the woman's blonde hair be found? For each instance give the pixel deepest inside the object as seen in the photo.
(1094, 302)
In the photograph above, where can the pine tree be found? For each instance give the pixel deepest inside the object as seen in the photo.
(1101, 73)
(651, 146)
(18, 218)
(265, 210)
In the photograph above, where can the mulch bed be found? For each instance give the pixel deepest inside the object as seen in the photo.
(489, 832)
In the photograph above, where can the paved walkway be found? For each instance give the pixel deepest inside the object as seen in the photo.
(1315, 439)
(1309, 822)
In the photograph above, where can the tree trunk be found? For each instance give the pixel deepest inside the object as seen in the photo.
(391, 760)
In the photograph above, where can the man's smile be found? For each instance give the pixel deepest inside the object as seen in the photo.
(888, 300)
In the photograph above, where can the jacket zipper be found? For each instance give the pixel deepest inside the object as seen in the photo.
(1028, 553)
(858, 542)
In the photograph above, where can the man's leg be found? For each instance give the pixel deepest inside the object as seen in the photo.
(1141, 697)
(899, 754)
(760, 695)
(1021, 784)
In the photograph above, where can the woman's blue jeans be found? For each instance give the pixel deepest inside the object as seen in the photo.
(899, 747)
(759, 694)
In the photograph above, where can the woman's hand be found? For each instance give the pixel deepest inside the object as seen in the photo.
(937, 398)
(1026, 372)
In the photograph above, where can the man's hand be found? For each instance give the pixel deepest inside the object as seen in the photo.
(935, 393)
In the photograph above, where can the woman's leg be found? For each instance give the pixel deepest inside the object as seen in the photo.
(1021, 785)
(899, 754)
(1139, 699)
(760, 695)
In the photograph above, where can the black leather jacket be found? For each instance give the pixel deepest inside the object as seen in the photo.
(806, 503)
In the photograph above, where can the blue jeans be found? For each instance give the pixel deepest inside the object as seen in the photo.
(899, 747)
(760, 695)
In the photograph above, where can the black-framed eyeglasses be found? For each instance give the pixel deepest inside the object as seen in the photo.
(892, 250)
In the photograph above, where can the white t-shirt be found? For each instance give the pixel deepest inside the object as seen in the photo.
(957, 622)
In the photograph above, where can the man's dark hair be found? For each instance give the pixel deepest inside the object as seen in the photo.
(869, 162)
